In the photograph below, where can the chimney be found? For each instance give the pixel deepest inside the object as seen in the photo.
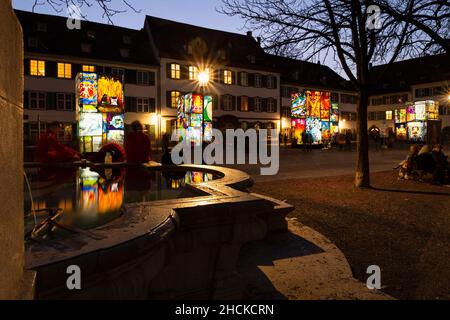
(249, 33)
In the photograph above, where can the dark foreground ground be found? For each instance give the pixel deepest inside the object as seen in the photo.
(401, 226)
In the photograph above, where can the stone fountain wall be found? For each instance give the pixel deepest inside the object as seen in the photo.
(12, 283)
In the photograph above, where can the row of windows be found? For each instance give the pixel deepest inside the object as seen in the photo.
(388, 115)
(39, 68)
(230, 103)
(393, 99)
(175, 71)
(39, 100)
(430, 91)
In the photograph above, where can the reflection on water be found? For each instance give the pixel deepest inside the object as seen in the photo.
(92, 198)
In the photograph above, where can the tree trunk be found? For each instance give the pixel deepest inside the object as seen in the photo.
(362, 177)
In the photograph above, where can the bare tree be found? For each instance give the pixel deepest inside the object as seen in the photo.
(430, 17)
(349, 31)
(105, 6)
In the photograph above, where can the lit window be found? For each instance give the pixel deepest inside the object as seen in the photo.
(142, 105)
(64, 101)
(244, 103)
(257, 80)
(244, 79)
(258, 104)
(193, 73)
(388, 115)
(175, 71)
(174, 95)
(64, 70)
(227, 77)
(87, 68)
(37, 68)
(37, 100)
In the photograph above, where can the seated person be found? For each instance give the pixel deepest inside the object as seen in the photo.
(50, 150)
(116, 151)
(137, 145)
(441, 165)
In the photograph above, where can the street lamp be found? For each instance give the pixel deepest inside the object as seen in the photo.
(203, 78)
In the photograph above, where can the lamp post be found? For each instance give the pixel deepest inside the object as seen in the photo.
(203, 80)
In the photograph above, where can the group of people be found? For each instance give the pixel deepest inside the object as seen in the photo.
(137, 148)
(426, 160)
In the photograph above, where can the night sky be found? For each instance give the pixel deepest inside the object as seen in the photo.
(197, 12)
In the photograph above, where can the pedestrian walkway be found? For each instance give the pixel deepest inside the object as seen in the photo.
(300, 265)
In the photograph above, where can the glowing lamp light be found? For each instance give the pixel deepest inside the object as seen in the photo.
(448, 97)
(203, 77)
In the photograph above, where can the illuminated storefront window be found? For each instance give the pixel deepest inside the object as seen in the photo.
(175, 71)
(193, 73)
(64, 70)
(227, 77)
(37, 68)
(87, 68)
(388, 115)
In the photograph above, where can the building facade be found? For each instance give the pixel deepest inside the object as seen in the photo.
(410, 81)
(55, 54)
(244, 87)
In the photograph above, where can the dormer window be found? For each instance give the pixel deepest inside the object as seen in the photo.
(126, 39)
(32, 42)
(41, 27)
(86, 47)
(125, 53)
(251, 59)
(90, 35)
(221, 54)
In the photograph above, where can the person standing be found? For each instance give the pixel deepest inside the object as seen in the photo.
(137, 144)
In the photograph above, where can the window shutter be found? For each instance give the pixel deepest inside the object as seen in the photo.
(151, 78)
(184, 72)
(219, 76)
(275, 107)
(168, 100)
(215, 102)
(233, 77)
(152, 104)
(239, 101)
(130, 76)
(26, 101)
(264, 105)
(133, 104)
(275, 82)
(50, 103)
(264, 82)
(127, 104)
(222, 102)
(26, 66)
(239, 78)
(168, 70)
(51, 69)
(251, 104)
(233, 100)
(251, 79)
(76, 68)
(74, 101)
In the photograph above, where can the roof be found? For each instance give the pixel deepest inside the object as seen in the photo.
(306, 73)
(401, 75)
(183, 41)
(106, 41)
